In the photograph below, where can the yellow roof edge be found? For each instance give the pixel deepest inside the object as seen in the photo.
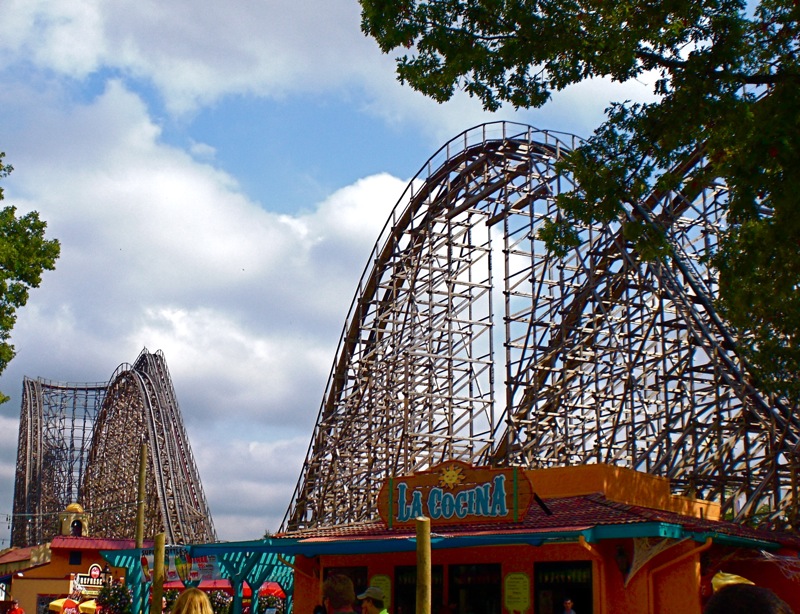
(618, 484)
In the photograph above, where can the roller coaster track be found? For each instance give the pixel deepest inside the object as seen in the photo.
(81, 442)
(468, 340)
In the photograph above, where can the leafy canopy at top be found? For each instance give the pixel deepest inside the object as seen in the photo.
(727, 89)
(24, 255)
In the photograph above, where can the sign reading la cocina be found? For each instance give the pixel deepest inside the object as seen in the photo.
(455, 492)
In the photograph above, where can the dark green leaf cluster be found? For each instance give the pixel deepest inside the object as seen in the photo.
(24, 254)
(518, 51)
(221, 602)
(171, 595)
(266, 602)
(726, 111)
(115, 599)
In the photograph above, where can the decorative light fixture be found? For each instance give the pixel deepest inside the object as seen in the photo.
(106, 573)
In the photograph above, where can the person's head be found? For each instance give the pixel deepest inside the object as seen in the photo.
(192, 601)
(372, 600)
(319, 609)
(338, 592)
(746, 599)
(567, 603)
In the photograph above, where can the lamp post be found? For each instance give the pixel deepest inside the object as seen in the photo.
(106, 573)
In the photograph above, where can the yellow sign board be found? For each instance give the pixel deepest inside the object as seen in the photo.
(517, 592)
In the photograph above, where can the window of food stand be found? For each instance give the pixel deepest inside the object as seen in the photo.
(475, 588)
(43, 602)
(556, 581)
(469, 589)
(405, 581)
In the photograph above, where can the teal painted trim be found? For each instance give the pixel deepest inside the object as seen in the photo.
(235, 559)
(589, 535)
(260, 559)
(261, 545)
(734, 540)
(237, 566)
(675, 531)
(637, 529)
(121, 558)
(134, 577)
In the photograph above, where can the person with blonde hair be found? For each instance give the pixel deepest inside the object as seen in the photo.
(192, 601)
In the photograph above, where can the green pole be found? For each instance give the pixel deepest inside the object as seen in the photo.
(158, 573)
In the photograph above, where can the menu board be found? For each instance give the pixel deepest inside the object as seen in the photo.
(517, 592)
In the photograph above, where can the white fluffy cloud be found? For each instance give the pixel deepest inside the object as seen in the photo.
(253, 484)
(195, 51)
(164, 252)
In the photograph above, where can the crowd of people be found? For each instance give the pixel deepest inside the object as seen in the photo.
(339, 597)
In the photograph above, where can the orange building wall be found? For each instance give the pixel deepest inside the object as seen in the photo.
(53, 578)
(618, 484)
(26, 591)
(669, 582)
(675, 588)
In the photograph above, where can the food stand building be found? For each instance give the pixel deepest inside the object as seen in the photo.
(68, 564)
(503, 541)
(508, 541)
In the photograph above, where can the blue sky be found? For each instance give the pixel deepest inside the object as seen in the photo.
(217, 175)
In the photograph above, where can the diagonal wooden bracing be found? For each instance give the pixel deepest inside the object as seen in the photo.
(468, 340)
(81, 442)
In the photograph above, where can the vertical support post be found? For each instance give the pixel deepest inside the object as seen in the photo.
(423, 565)
(140, 498)
(238, 596)
(158, 573)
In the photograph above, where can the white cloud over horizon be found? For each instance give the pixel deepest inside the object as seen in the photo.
(164, 252)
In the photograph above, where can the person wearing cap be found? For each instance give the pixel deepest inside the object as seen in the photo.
(372, 601)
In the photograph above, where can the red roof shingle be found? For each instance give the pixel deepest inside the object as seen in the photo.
(576, 513)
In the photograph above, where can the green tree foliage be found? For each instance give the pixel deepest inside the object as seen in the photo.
(271, 602)
(171, 595)
(221, 602)
(727, 90)
(24, 255)
(115, 598)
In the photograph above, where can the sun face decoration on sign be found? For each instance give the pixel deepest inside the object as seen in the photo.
(451, 477)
